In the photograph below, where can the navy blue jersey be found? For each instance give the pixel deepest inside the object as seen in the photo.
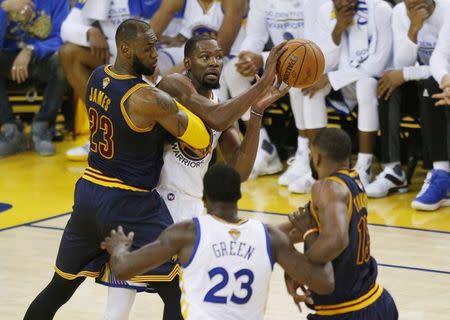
(355, 271)
(121, 154)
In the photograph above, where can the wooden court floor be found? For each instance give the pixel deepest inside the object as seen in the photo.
(412, 248)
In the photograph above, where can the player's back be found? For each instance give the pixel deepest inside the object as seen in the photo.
(228, 274)
(120, 153)
(355, 270)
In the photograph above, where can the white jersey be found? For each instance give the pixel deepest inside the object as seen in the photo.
(184, 167)
(198, 21)
(228, 274)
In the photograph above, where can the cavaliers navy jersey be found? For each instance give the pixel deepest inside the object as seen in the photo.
(355, 271)
(120, 153)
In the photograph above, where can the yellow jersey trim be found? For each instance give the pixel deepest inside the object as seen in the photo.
(105, 181)
(314, 214)
(350, 306)
(158, 278)
(117, 76)
(124, 111)
(350, 198)
(70, 276)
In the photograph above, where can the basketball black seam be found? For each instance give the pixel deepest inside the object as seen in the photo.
(281, 67)
(301, 66)
(315, 59)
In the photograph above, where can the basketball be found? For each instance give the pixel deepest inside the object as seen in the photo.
(302, 64)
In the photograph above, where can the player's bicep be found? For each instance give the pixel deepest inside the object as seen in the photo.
(332, 201)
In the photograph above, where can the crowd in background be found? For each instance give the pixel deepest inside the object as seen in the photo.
(383, 57)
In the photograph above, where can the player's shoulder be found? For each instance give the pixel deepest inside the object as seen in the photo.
(174, 80)
(329, 188)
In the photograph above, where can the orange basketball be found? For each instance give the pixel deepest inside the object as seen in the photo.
(302, 64)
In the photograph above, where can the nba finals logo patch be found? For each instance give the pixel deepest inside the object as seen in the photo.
(105, 83)
(235, 234)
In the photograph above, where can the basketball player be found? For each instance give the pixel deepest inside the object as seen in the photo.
(338, 215)
(129, 120)
(226, 261)
(180, 183)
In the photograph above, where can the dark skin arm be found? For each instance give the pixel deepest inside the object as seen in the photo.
(150, 105)
(319, 277)
(233, 11)
(344, 17)
(164, 15)
(223, 115)
(241, 154)
(178, 240)
(331, 201)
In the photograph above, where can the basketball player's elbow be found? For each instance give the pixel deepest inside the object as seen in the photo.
(328, 284)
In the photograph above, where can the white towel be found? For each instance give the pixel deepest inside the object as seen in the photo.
(96, 9)
(358, 33)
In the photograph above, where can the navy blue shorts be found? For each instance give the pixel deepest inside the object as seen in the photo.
(96, 211)
(382, 309)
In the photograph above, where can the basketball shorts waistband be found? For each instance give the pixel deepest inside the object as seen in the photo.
(97, 177)
(353, 305)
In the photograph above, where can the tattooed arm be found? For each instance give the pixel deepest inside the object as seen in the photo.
(149, 105)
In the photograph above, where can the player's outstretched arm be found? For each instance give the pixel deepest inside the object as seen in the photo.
(241, 155)
(319, 277)
(149, 105)
(223, 115)
(331, 201)
(126, 264)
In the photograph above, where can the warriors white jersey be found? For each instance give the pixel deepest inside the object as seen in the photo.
(228, 274)
(184, 167)
(198, 21)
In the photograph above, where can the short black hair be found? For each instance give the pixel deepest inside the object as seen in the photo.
(130, 28)
(191, 44)
(335, 143)
(222, 183)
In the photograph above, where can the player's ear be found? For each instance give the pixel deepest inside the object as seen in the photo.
(187, 64)
(125, 49)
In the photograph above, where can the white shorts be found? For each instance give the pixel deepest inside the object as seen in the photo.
(181, 206)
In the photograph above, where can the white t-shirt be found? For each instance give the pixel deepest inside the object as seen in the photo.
(196, 20)
(228, 274)
(406, 52)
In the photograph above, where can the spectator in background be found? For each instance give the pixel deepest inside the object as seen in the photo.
(88, 33)
(221, 19)
(278, 20)
(30, 39)
(356, 39)
(416, 26)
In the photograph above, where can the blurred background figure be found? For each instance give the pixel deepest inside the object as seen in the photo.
(30, 39)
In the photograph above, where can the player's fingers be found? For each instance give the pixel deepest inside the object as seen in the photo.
(113, 233)
(389, 93)
(103, 245)
(284, 91)
(257, 77)
(131, 235)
